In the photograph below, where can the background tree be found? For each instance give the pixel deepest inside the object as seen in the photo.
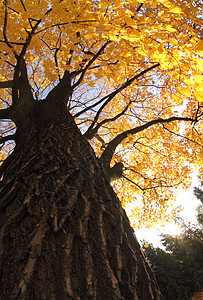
(179, 267)
(168, 273)
(199, 194)
(126, 75)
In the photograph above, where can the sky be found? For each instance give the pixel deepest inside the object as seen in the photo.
(188, 201)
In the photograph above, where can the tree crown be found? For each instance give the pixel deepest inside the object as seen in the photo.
(133, 71)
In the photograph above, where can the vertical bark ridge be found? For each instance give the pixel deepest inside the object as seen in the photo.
(64, 233)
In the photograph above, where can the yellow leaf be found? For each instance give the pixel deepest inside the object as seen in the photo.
(166, 3)
(199, 95)
(114, 38)
(200, 46)
(169, 28)
(198, 79)
(160, 49)
(176, 10)
(185, 91)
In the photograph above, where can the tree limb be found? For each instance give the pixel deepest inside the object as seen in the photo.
(64, 85)
(6, 84)
(78, 72)
(8, 162)
(20, 68)
(5, 28)
(152, 187)
(63, 90)
(13, 43)
(21, 88)
(5, 114)
(29, 38)
(10, 137)
(90, 63)
(23, 5)
(133, 183)
(89, 134)
(99, 138)
(182, 136)
(110, 149)
(110, 96)
(139, 7)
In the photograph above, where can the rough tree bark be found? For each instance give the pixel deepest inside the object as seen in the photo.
(64, 234)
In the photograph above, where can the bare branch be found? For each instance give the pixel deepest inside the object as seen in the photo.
(20, 80)
(99, 138)
(8, 161)
(64, 23)
(78, 72)
(148, 146)
(110, 149)
(29, 38)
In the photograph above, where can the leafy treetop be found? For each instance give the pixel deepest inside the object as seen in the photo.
(136, 82)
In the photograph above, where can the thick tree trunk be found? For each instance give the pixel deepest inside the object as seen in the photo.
(64, 234)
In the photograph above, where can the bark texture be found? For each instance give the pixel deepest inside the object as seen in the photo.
(64, 234)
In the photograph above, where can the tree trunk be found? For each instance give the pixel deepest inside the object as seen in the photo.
(64, 234)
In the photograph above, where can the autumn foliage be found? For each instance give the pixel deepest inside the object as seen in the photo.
(137, 86)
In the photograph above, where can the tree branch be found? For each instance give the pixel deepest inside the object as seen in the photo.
(29, 38)
(90, 63)
(10, 137)
(139, 7)
(13, 43)
(99, 138)
(78, 72)
(6, 84)
(110, 96)
(20, 67)
(133, 183)
(21, 88)
(182, 136)
(89, 134)
(110, 149)
(23, 5)
(63, 90)
(7, 162)
(152, 187)
(5, 114)
(5, 28)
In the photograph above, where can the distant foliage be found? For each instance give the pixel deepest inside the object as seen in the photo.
(199, 194)
(179, 268)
